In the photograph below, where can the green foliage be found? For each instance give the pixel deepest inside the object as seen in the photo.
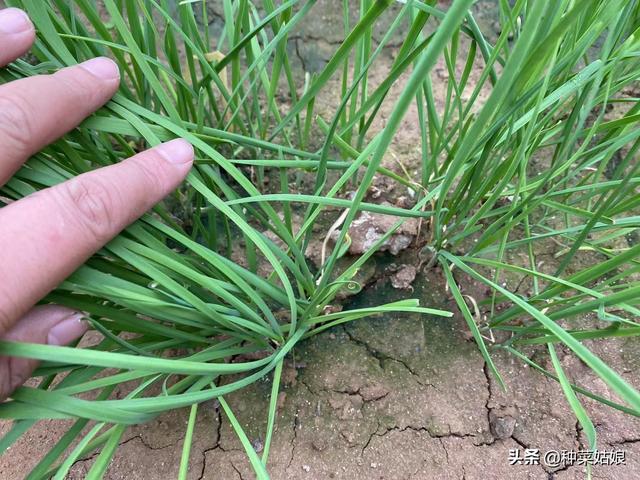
(522, 156)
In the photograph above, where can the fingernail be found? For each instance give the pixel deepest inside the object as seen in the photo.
(14, 20)
(102, 67)
(176, 151)
(68, 330)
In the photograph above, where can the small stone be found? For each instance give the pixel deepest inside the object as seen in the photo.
(403, 202)
(258, 445)
(404, 277)
(328, 309)
(502, 426)
(368, 228)
(306, 468)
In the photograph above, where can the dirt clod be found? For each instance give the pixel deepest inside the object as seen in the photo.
(404, 277)
(373, 392)
(502, 426)
(368, 228)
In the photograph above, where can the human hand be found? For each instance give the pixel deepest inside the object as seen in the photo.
(46, 236)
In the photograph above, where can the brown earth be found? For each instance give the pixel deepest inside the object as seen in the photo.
(395, 397)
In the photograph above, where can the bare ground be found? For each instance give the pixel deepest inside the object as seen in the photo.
(394, 397)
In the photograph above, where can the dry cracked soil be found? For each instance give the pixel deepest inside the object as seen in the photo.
(389, 397)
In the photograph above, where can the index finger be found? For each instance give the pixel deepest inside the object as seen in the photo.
(49, 234)
(34, 111)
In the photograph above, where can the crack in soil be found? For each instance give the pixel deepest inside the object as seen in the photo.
(513, 436)
(216, 444)
(237, 471)
(446, 452)
(124, 442)
(296, 423)
(219, 426)
(373, 434)
(296, 45)
(382, 357)
(356, 392)
(150, 447)
(485, 370)
(552, 473)
(432, 435)
(630, 441)
(204, 460)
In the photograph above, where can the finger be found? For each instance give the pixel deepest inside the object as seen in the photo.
(37, 110)
(16, 34)
(46, 236)
(50, 324)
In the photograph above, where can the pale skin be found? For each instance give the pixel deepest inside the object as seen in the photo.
(46, 236)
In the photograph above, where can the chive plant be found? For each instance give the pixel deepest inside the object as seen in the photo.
(548, 158)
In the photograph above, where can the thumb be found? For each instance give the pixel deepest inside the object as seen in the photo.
(49, 324)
